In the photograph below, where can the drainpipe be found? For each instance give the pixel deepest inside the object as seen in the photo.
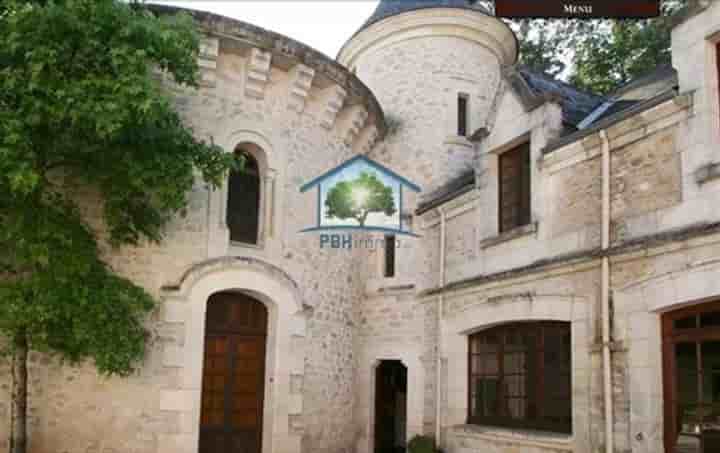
(441, 297)
(605, 293)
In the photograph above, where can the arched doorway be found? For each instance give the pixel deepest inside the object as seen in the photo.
(231, 414)
(691, 355)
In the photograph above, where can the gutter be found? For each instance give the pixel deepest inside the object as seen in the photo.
(440, 307)
(605, 294)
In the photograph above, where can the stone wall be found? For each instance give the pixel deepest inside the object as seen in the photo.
(306, 118)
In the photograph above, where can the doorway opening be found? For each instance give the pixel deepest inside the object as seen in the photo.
(691, 356)
(233, 384)
(390, 407)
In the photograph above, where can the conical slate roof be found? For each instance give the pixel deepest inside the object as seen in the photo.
(388, 8)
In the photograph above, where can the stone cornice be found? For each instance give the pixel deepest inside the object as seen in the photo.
(289, 53)
(475, 26)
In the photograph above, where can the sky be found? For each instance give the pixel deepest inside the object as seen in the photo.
(324, 25)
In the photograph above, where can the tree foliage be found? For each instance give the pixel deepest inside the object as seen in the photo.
(596, 55)
(81, 106)
(356, 199)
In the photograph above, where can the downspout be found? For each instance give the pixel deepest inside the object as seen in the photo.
(605, 293)
(438, 364)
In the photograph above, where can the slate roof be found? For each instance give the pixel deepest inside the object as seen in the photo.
(576, 104)
(388, 8)
(665, 72)
(452, 189)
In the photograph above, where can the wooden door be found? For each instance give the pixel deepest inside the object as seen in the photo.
(691, 355)
(233, 387)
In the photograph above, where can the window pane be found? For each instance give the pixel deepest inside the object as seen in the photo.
(243, 203)
(486, 396)
(711, 319)
(462, 115)
(516, 408)
(710, 353)
(390, 256)
(686, 323)
(514, 188)
(687, 386)
(524, 377)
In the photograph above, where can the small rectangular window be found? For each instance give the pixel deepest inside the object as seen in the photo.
(514, 187)
(462, 115)
(717, 68)
(390, 245)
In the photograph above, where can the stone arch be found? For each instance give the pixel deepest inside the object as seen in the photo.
(638, 310)
(187, 304)
(254, 140)
(513, 308)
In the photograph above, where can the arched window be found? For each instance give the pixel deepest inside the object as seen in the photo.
(520, 376)
(243, 201)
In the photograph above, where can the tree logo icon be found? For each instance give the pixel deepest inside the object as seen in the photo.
(360, 194)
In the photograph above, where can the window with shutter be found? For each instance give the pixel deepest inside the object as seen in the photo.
(514, 187)
(519, 376)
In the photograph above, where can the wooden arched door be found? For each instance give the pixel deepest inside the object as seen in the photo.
(233, 387)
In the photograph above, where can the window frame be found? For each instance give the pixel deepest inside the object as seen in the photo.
(537, 422)
(524, 216)
(672, 335)
(258, 169)
(389, 243)
(463, 114)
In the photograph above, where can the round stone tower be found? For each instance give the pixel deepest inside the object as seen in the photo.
(426, 61)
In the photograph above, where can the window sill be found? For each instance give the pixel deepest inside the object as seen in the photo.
(515, 233)
(526, 437)
(457, 140)
(246, 245)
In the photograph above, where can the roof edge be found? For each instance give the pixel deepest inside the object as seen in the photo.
(280, 44)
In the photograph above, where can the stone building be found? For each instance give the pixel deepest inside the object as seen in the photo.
(562, 295)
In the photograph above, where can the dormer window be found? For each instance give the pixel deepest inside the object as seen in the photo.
(462, 115)
(514, 187)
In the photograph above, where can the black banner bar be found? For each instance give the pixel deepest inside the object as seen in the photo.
(577, 9)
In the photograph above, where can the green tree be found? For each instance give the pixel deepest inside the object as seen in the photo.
(623, 50)
(81, 108)
(596, 55)
(356, 199)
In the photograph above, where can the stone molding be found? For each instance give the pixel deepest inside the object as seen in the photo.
(185, 306)
(268, 50)
(258, 73)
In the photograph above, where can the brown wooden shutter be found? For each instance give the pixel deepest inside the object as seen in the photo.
(514, 187)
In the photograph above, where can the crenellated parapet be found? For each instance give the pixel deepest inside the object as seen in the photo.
(241, 59)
